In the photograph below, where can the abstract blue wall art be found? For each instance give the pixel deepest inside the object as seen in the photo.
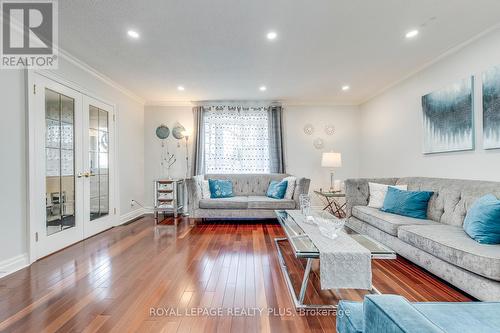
(449, 118)
(491, 108)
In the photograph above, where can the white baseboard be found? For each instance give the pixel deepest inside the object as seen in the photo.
(13, 264)
(131, 215)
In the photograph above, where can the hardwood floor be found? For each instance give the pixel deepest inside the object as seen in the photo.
(113, 282)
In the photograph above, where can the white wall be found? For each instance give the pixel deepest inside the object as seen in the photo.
(13, 166)
(391, 124)
(154, 116)
(301, 157)
(130, 118)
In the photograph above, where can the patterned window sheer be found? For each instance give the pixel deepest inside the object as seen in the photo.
(236, 139)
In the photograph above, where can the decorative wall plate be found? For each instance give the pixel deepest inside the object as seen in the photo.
(177, 132)
(162, 132)
(329, 129)
(308, 129)
(318, 143)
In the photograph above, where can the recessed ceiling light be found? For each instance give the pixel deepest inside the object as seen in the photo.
(262, 88)
(133, 34)
(271, 35)
(345, 88)
(411, 33)
(180, 88)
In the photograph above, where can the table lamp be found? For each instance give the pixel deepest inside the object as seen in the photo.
(331, 160)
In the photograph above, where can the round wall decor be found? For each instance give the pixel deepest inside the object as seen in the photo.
(308, 129)
(329, 129)
(177, 132)
(318, 143)
(162, 132)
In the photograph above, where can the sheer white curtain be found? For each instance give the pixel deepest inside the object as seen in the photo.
(236, 139)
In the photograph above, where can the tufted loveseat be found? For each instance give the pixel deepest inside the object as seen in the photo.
(249, 199)
(439, 243)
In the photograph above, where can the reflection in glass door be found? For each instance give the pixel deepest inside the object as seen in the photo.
(59, 162)
(98, 145)
(98, 161)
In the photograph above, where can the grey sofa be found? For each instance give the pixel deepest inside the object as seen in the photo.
(250, 199)
(438, 244)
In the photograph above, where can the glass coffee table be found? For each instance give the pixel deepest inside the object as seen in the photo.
(303, 247)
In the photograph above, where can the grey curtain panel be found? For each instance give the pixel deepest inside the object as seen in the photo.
(198, 167)
(276, 153)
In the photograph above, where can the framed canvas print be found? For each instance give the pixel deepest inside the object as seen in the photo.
(491, 108)
(448, 118)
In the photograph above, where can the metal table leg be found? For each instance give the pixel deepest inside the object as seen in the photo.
(298, 302)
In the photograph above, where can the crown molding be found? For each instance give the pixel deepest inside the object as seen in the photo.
(102, 77)
(318, 104)
(284, 103)
(446, 54)
(169, 103)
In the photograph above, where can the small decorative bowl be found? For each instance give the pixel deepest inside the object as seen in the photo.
(328, 225)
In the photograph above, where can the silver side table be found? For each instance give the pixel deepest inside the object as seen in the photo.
(169, 197)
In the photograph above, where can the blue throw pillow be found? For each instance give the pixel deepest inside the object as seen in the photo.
(277, 190)
(482, 222)
(407, 203)
(220, 188)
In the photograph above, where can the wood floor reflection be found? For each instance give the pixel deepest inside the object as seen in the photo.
(145, 278)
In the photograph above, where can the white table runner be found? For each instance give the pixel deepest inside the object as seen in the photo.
(344, 263)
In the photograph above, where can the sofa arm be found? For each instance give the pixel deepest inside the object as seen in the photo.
(357, 192)
(192, 195)
(301, 187)
(394, 314)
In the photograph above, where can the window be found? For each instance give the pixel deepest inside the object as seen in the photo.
(240, 139)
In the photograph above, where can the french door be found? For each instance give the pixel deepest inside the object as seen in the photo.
(71, 166)
(98, 163)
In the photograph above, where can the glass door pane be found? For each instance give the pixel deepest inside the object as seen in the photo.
(60, 162)
(99, 162)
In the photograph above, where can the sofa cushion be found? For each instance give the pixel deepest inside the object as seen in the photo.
(452, 244)
(452, 198)
(394, 314)
(220, 188)
(407, 203)
(240, 202)
(350, 317)
(249, 184)
(378, 193)
(482, 222)
(385, 221)
(276, 189)
(462, 317)
(262, 202)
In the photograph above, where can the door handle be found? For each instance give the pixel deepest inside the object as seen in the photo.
(86, 174)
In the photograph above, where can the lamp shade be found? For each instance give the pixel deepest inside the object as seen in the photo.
(331, 160)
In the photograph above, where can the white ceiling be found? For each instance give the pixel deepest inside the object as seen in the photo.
(217, 49)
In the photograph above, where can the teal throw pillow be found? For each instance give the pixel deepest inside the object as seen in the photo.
(482, 222)
(277, 190)
(220, 188)
(407, 203)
